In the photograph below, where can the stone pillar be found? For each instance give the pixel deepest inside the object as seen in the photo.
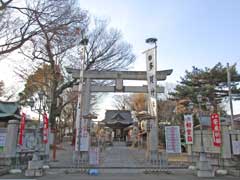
(226, 143)
(11, 139)
(154, 142)
(85, 111)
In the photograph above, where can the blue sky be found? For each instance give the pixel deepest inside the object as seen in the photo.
(190, 32)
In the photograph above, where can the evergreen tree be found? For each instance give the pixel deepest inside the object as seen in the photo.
(209, 82)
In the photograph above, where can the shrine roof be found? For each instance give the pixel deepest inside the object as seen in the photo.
(9, 110)
(118, 116)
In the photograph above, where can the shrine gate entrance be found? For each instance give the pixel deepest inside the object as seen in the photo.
(116, 155)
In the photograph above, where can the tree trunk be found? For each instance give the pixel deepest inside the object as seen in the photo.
(52, 113)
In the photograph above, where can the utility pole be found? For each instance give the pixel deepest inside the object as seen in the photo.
(230, 94)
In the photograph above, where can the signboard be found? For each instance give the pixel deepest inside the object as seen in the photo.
(45, 128)
(173, 141)
(152, 81)
(188, 124)
(236, 147)
(29, 141)
(94, 156)
(216, 130)
(2, 141)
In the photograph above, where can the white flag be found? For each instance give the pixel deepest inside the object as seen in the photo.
(152, 81)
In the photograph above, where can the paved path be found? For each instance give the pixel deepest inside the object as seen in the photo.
(119, 155)
(175, 175)
(64, 156)
(116, 156)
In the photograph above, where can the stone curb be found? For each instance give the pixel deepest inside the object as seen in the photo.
(4, 171)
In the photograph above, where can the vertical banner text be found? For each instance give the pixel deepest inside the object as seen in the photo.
(216, 130)
(188, 124)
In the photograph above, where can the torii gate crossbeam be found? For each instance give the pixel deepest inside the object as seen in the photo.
(124, 75)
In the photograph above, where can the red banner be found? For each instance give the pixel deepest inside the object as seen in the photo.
(22, 127)
(45, 128)
(188, 124)
(216, 130)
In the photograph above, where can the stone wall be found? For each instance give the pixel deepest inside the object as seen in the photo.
(218, 156)
(11, 153)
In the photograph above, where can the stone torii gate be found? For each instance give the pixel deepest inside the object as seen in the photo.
(118, 77)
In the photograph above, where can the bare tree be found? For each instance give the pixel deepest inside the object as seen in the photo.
(135, 102)
(4, 4)
(166, 111)
(62, 26)
(17, 25)
(122, 102)
(47, 32)
(139, 102)
(107, 50)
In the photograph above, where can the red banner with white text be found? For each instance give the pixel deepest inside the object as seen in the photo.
(216, 130)
(22, 128)
(45, 128)
(188, 124)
